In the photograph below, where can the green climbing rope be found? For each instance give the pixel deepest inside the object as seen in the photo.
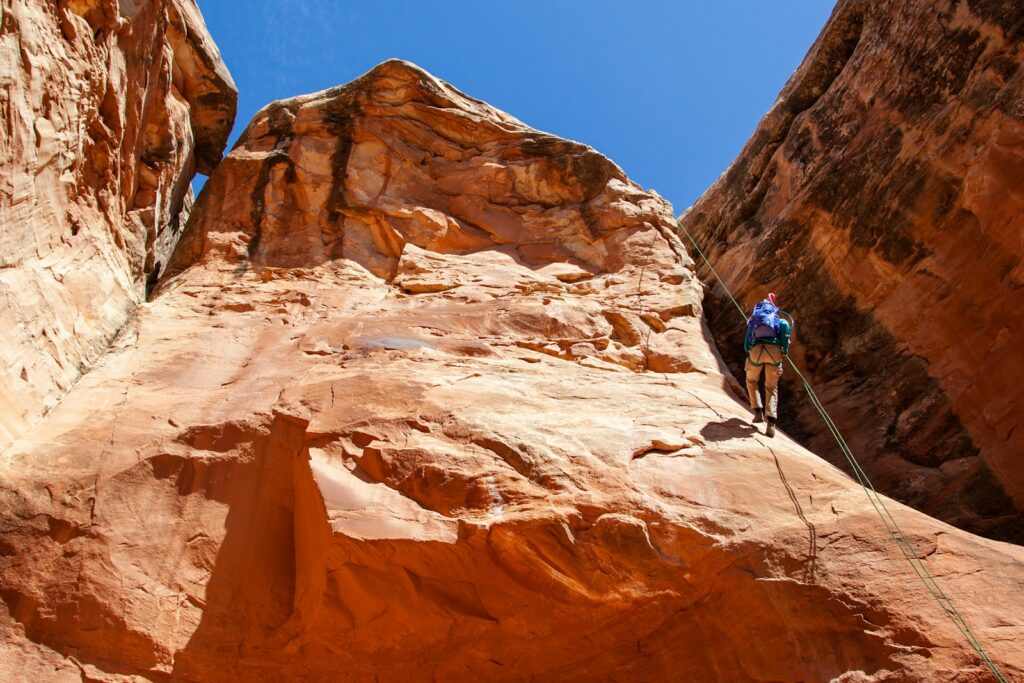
(907, 549)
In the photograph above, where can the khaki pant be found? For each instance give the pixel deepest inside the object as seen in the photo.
(764, 353)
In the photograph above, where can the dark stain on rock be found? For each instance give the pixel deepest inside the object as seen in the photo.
(593, 171)
(340, 121)
(839, 118)
(931, 70)
(799, 148)
(279, 120)
(577, 165)
(874, 195)
(1008, 15)
(1004, 66)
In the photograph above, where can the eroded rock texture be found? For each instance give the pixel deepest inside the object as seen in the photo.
(109, 108)
(881, 197)
(430, 398)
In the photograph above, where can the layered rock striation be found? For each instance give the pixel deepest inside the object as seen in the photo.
(109, 109)
(881, 198)
(429, 396)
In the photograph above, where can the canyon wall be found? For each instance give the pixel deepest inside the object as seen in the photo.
(109, 109)
(427, 395)
(881, 198)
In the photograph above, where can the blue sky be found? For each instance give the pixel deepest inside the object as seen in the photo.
(670, 90)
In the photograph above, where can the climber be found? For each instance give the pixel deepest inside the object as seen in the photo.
(766, 342)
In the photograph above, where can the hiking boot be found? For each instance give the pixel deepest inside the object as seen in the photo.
(770, 429)
(758, 415)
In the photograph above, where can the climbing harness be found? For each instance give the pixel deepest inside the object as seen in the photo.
(760, 355)
(898, 536)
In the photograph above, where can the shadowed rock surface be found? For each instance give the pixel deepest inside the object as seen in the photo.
(429, 397)
(881, 198)
(108, 111)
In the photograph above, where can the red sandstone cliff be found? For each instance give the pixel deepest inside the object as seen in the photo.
(109, 109)
(429, 396)
(881, 197)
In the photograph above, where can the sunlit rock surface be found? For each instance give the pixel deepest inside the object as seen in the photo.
(429, 397)
(108, 111)
(881, 198)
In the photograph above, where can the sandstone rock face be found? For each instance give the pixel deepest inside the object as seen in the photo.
(108, 110)
(881, 197)
(430, 398)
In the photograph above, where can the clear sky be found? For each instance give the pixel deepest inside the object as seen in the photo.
(668, 89)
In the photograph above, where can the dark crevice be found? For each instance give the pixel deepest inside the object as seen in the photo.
(152, 279)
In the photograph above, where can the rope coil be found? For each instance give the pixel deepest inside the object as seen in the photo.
(907, 548)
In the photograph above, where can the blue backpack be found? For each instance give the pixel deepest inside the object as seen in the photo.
(764, 321)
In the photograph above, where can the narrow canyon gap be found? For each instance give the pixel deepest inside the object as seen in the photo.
(426, 393)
